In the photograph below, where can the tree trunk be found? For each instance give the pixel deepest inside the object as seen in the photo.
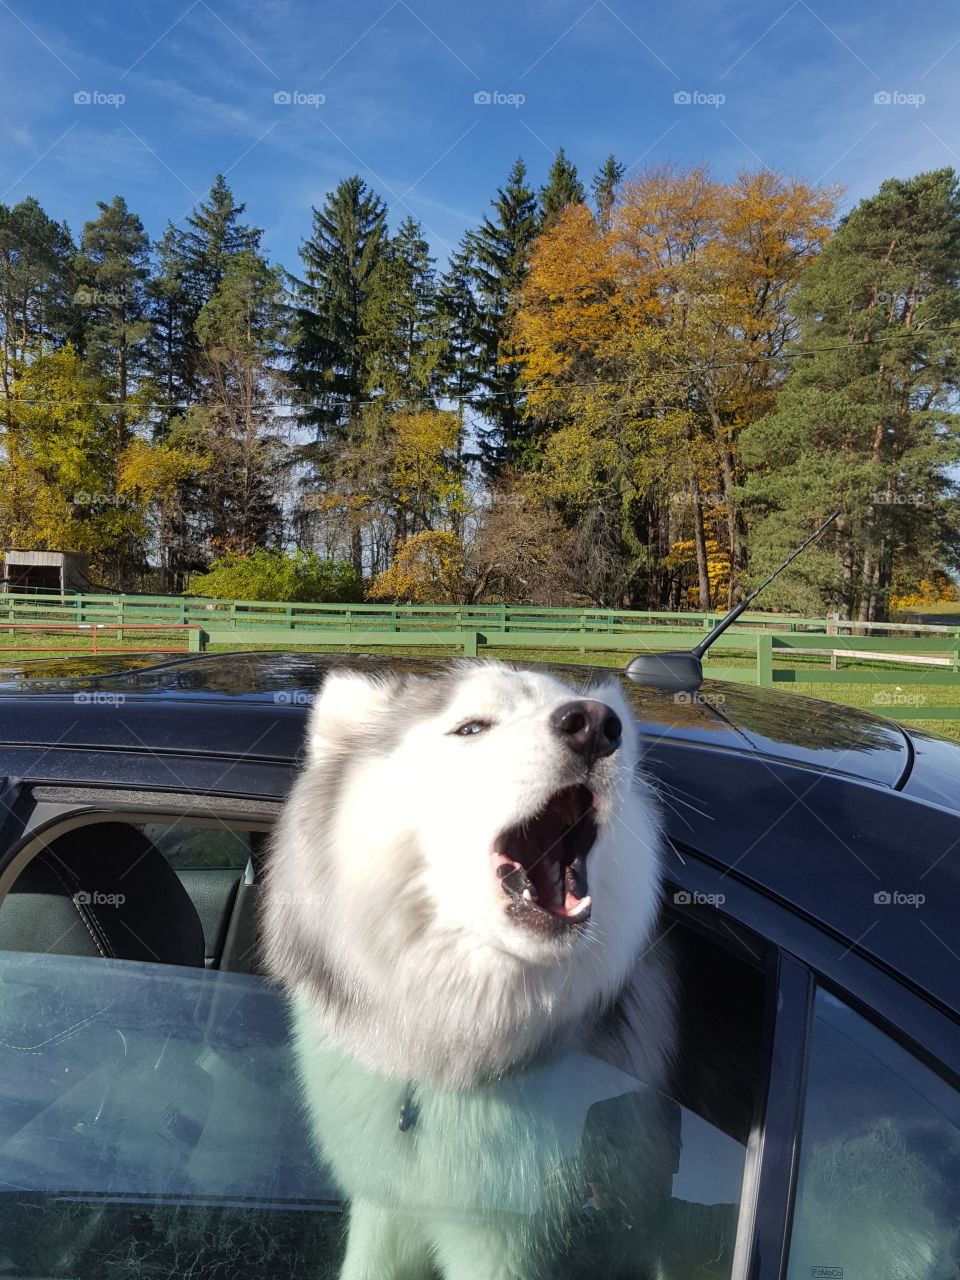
(848, 566)
(700, 538)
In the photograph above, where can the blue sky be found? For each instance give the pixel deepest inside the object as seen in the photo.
(399, 77)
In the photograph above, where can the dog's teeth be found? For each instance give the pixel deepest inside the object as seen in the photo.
(528, 895)
(580, 907)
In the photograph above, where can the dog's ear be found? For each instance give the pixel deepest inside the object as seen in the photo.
(348, 703)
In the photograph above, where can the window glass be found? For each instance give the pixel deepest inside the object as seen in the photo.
(154, 1122)
(879, 1187)
(192, 848)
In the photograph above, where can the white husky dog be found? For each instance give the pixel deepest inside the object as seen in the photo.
(461, 900)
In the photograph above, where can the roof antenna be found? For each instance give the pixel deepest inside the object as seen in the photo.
(683, 670)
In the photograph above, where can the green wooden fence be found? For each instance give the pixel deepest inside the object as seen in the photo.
(475, 629)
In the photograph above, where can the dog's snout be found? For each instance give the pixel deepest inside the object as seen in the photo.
(590, 728)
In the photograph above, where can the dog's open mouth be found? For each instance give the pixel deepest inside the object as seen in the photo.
(541, 863)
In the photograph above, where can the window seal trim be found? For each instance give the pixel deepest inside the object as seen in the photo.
(773, 1150)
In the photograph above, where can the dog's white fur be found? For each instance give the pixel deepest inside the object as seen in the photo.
(414, 986)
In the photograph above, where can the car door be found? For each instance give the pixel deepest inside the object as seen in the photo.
(152, 1111)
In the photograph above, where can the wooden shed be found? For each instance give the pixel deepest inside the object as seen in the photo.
(53, 571)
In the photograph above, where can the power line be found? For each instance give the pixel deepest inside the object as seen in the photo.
(518, 392)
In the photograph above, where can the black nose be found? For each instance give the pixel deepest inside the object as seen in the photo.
(589, 728)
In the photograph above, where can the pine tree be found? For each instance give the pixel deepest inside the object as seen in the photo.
(172, 348)
(240, 331)
(563, 187)
(604, 187)
(400, 342)
(340, 259)
(36, 286)
(500, 252)
(458, 323)
(214, 235)
(113, 268)
(866, 421)
(190, 265)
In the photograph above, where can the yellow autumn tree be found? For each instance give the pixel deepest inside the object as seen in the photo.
(429, 568)
(651, 341)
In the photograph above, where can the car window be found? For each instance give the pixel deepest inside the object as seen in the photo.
(879, 1185)
(152, 1117)
(200, 848)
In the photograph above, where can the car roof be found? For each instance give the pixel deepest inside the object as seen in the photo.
(732, 717)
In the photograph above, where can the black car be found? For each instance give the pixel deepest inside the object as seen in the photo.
(150, 1126)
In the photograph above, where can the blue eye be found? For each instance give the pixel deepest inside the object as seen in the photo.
(471, 727)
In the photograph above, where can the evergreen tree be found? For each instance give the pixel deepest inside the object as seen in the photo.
(240, 331)
(563, 187)
(172, 348)
(458, 324)
(400, 342)
(191, 263)
(604, 187)
(340, 258)
(36, 286)
(213, 237)
(500, 251)
(113, 268)
(866, 421)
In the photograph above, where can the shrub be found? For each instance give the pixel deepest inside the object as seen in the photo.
(273, 575)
